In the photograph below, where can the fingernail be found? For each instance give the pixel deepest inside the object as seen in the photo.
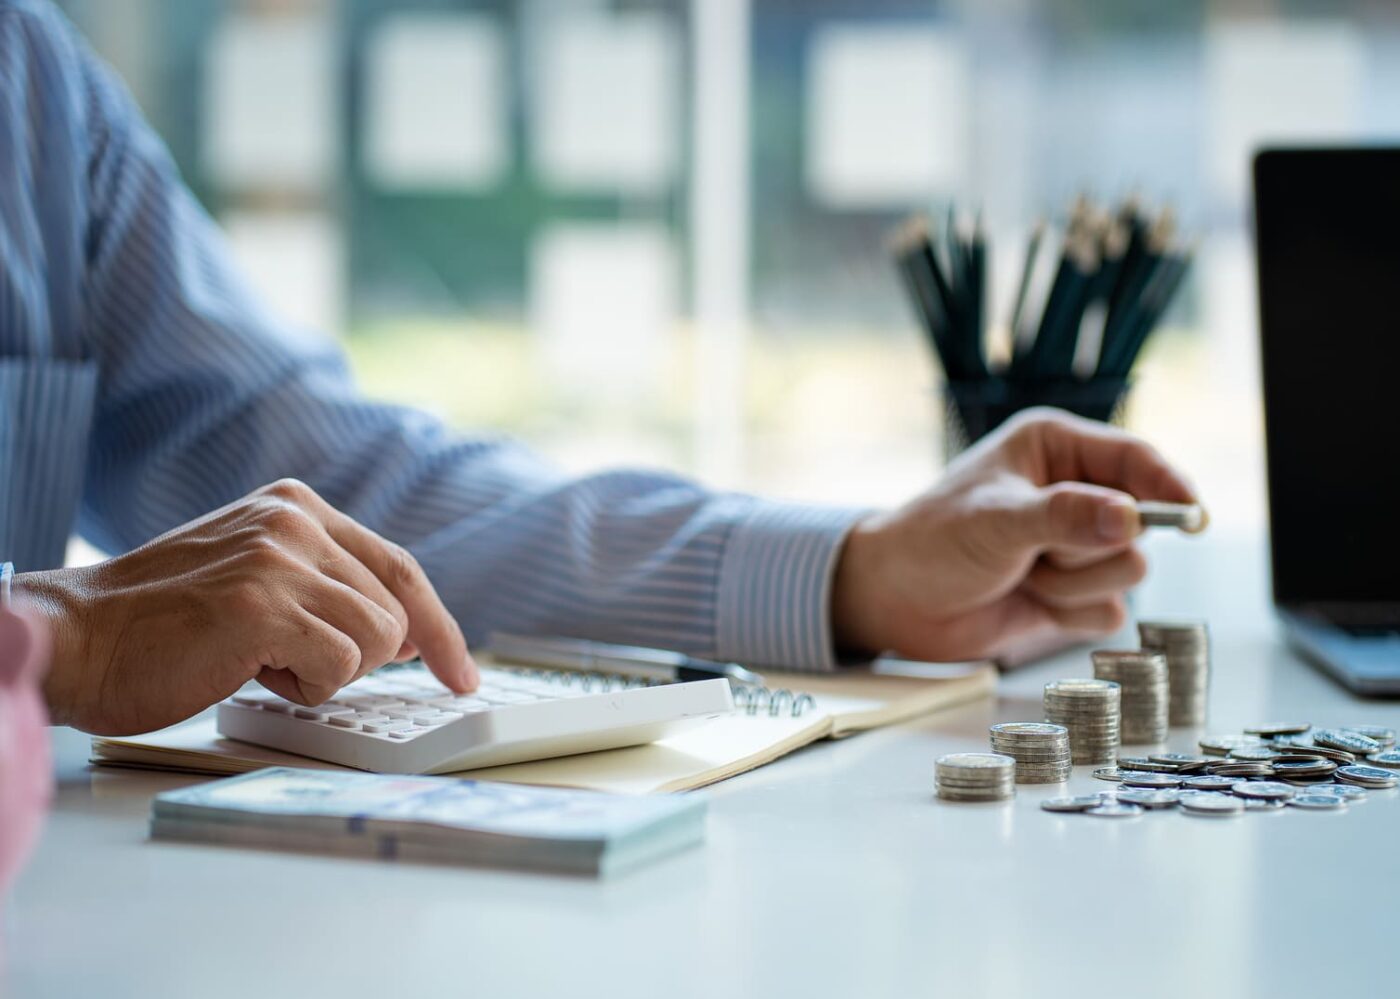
(1118, 521)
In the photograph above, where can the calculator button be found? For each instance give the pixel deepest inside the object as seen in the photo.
(406, 734)
(321, 712)
(344, 721)
(254, 700)
(281, 707)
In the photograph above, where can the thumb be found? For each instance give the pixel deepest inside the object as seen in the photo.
(1075, 515)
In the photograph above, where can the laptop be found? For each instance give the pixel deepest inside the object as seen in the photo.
(1327, 234)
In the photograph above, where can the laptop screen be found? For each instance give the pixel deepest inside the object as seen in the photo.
(1327, 225)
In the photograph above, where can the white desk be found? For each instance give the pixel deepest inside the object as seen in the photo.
(832, 872)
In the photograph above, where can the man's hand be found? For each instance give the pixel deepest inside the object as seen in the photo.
(1028, 537)
(278, 587)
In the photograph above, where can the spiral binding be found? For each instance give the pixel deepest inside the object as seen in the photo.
(747, 698)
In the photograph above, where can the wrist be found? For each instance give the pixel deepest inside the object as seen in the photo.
(55, 599)
(856, 591)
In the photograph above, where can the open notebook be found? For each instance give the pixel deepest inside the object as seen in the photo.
(847, 702)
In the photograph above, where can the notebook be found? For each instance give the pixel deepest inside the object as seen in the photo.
(839, 705)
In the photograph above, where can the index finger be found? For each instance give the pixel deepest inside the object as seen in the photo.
(1080, 450)
(431, 628)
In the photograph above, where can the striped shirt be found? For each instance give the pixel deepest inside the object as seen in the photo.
(142, 385)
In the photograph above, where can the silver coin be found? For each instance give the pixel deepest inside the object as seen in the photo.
(1143, 763)
(977, 761)
(1132, 779)
(1321, 802)
(1222, 744)
(1365, 773)
(1114, 810)
(1264, 804)
(1389, 759)
(1253, 753)
(1385, 736)
(1147, 797)
(1077, 803)
(1265, 789)
(1177, 758)
(1211, 803)
(1277, 728)
(1209, 782)
(1346, 741)
(1109, 773)
(1028, 731)
(1367, 776)
(1347, 792)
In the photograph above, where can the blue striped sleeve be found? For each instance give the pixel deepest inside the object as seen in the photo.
(204, 396)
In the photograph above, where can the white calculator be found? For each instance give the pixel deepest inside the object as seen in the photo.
(402, 720)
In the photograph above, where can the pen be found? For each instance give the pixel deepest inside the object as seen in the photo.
(623, 660)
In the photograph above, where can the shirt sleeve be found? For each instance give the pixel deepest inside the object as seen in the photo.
(205, 396)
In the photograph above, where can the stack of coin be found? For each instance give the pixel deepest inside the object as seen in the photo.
(1143, 679)
(1186, 644)
(975, 777)
(1090, 710)
(1041, 750)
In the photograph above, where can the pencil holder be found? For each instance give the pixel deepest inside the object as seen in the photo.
(973, 409)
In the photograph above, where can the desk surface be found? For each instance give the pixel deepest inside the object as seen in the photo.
(830, 872)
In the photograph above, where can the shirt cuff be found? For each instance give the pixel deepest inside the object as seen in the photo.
(774, 601)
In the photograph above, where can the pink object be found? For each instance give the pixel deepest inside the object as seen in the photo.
(26, 774)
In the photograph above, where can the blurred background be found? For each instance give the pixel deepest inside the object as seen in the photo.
(654, 231)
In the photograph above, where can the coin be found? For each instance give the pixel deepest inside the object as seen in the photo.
(1264, 804)
(1188, 517)
(1267, 789)
(1220, 745)
(1148, 797)
(1349, 742)
(1132, 779)
(1114, 810)
(1277, 728)
(1367, 776)
(1209, 783)
(1109, 773)
(1030, 731)
(1211, 803)
(1177, 758)
(1385, 736)
(1347, 792)
(1077, 803)
(1321, 802)
(1254, 753)
(1301, 768)
(1390, 759)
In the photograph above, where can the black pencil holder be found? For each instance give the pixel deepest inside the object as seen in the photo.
(973, 409)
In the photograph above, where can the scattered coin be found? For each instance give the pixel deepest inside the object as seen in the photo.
(1390, 759)
(1347, 792)
(1221, 745)
(1254, 753)
(1264, 804)
(1114, 810)
(1277, 728)
(1209, 782)
(1211, 803)
(1265, 789)
(1321, 802)
(1385, 736)
(1367, 776)
(1350, 742)
(1109, 773)
(1077, 803)
(1132, 779)
(1148, 798)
